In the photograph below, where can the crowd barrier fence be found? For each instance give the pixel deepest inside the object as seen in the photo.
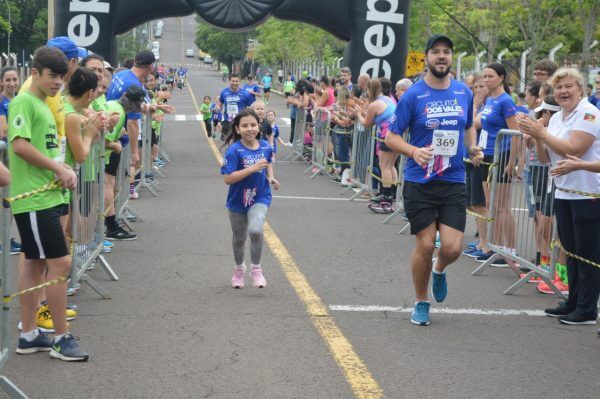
(300, 128)
(147, 180)
(321, 144)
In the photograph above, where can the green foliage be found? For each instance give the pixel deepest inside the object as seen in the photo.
(226, 47)
(29, 24)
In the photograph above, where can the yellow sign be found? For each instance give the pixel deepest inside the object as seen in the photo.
(415, 63)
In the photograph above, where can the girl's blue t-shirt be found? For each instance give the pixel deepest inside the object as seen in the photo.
(435, 115)
(255, 188)
(493, 119)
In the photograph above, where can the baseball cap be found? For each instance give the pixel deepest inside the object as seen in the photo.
(437, 38)
(66, 45)
(82, 53)
(547, 107)
(144, 58)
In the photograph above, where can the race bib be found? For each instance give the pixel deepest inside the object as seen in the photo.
(232, 109)
(483, 136)
(445, 142)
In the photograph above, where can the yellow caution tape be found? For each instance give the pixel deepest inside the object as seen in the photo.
(557, 243)
(480, 216)
(8, 298)
(53, 185)
(566, 190)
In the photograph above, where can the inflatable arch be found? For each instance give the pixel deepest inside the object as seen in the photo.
(376, 30)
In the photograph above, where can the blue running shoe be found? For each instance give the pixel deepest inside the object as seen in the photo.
(473, 244)
(500, 262)
(42, 343)
(439, 286)
(420, 315)
(484, 257)
(469, 251)
(108, 244)
(68, 350)
(475, 253)
(15, 247)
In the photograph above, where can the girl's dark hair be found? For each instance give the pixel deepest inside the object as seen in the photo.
(501, 71)
(325, 79)
(386, 86)
(82, 81)
(304, 87)
(234, 135)
(356, 91)
(7, 69)
(91, 57)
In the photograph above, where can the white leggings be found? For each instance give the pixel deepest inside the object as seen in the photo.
(244, 224)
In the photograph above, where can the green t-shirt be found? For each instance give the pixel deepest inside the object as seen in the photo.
(69, 158)
(110, 107)
(205, 111)
(98, 104)
(31, 119)
(288, 86)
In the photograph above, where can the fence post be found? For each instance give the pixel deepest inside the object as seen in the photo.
(501, 54)
(553, 51)
(523, 69)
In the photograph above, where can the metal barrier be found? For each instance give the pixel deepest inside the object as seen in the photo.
(512, 234)
(321, 141)
(87, 221)
(5, 221)
(298, 144)
(146, 178)
(123, 210)
(360, 161)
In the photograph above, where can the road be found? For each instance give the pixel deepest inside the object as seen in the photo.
(333, 321)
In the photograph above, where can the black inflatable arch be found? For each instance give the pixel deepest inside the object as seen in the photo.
(376, 30)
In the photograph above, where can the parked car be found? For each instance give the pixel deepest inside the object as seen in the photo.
(208, 59)
(189, 53)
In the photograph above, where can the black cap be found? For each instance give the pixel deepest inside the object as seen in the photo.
(437, 38)
(135, 93)
(144, 58)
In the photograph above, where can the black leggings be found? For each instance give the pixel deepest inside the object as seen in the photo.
(578, 223)
(208, 124)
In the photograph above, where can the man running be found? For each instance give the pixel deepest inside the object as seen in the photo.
(438, 112)
(232, 100)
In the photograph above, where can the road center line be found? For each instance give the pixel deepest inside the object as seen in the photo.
(459, 311)
(316, 198)
(357, 375)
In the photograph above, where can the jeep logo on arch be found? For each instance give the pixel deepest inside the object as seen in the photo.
(432, 123)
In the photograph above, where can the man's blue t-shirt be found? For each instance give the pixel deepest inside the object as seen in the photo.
(120, 83)
(594, 100)
(523, 109)
(266, 81)
(493, 119)
(4, 101)
(251, 87)
(436, 118)
(233, 102)
(255, 188)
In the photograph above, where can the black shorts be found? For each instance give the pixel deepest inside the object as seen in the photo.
(476, 194)
(215, 122)
(63, 210)
(382, 147)
(41, 234)
(112, 166)
(500, 176)
(154, 138)
(266, 90)
(436, 201)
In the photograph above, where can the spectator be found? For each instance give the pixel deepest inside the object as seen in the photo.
(574, 131)
(401, 86)
(543, 70)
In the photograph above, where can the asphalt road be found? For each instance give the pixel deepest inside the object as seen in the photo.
(175, 329)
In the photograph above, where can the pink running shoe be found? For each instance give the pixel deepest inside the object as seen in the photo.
(237, 281)
(134, 195)
(257, 276)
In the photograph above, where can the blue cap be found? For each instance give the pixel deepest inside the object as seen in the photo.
(66, 45)
(81, 52)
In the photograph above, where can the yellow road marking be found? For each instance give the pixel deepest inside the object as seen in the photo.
(359, 378)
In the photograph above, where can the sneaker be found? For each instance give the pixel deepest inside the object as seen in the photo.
(67, 349)
(237, 281)
(72, 290)
(500, 262)
(108, 244)
(533, 279)
(544, 288)
(560, 310)
(380, 198)
(575, 318)
(484, 257)
(420, 315)
(336, 179)
(258, 278)
(71, 313)
(134, 195)
(105, 250)
(473, 253)
(120, 234)
(381, 208)
(473, 244)
(439, 286)
(15, 247)
(42, 343)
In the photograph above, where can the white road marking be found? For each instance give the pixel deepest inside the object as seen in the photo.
(315, 198)
(286, 121)
(460, 311)
(179, 118)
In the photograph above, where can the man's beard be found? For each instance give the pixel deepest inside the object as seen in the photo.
(440, 74)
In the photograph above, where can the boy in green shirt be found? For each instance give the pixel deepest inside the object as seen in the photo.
(206, 112)
(36, 160)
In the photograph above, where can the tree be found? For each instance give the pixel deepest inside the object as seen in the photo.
(226, 47)
(27, 28)
(589, 12)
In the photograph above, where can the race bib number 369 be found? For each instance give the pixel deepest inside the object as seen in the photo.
(445, 142)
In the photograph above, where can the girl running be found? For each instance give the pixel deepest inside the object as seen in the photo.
(248, 170)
